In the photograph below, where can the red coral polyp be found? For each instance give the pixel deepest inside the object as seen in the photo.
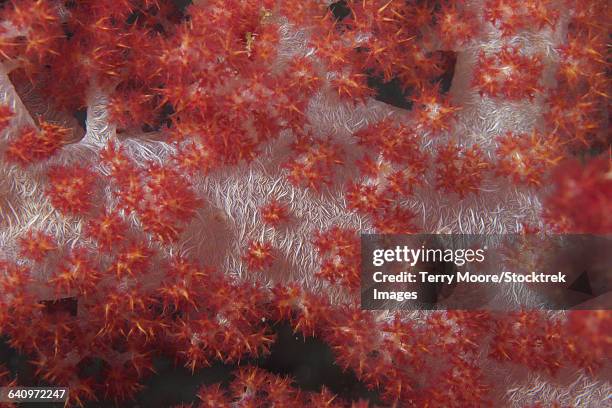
(580, 122)
(432, 111)
(314, 162)
(72, 189)
(274, 213)
(132, 260)
(527, 158)
(396, 220)
(581, 198)
(259, 255)
(397, 143)
(341, 252)
(460, 170)
(513, 16)
(108, 230)
(456, 25)
(6, 114)
(78, 274)
(36, 245)
(582, 58)
(32, 145)
(508, 73)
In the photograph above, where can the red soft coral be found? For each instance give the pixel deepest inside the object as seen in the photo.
(259, 255)
(456, 25)
(6, 114)
(36, 245)
(108, 229)
(433, 112)
(274, 213)
(582, 197)
(32, 145)
(508, 73)
(527, 158)
(314, 162)
(460, 170)
(71, 189)
(341, 251)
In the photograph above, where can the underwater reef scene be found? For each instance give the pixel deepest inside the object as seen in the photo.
(184, 186)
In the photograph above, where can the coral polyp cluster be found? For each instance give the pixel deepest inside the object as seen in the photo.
(184, 181)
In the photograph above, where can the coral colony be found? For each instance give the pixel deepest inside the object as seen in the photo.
(186, 181)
